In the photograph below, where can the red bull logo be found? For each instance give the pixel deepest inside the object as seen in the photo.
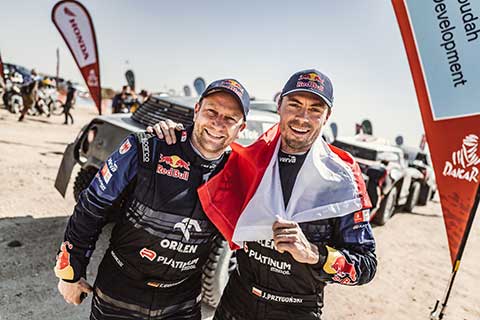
(234, 86)
(175, 163)
(312, 76)
(337, 265)
(346, 272)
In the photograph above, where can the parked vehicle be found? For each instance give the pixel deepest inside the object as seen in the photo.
(12, 97)
(391, 183)
(98, 139)
(421, 161)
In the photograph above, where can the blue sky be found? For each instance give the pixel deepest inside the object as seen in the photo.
(261, 43)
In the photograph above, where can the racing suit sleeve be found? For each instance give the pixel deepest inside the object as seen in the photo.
(91, 211)
(349, 258)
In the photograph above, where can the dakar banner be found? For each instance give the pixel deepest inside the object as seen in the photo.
(75, 25)
(442, 40)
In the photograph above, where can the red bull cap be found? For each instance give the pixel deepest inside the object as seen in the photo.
(312, 81)
(233, 87)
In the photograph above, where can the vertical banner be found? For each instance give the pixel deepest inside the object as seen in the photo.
(130, 79)
(75, 25)
(187, 91)
(57, 71)
(2, 75)
(199, 85)
(442, 40)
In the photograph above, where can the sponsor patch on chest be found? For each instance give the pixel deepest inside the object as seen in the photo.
(173, 166)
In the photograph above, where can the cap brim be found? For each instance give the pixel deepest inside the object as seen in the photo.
(214, 90)
(328, 102)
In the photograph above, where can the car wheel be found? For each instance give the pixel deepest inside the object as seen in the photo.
(82, 181)
(425, 195)
(413, 196)
(386, 209)
(221, 262)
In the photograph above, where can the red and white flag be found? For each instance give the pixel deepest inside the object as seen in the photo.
(246, 198)
(75, 25)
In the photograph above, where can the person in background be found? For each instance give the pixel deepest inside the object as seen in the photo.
(29, 94)
(69, 102)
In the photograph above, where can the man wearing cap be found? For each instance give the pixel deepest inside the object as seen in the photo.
(161, 239)
(284, 278)
(322, 234)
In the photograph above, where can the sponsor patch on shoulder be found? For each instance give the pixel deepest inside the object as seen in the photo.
(106, 174)
(361, 216)
(125, 147)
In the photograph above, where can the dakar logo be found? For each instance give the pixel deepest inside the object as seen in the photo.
(185, 225)
(149, 254)
(92, 79)
(464, 161)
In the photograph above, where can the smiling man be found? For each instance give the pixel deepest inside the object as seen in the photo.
(152, 268)
(284, 277)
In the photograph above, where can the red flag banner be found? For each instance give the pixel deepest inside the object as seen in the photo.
(2, 75)
(442, 43)
(75, 25)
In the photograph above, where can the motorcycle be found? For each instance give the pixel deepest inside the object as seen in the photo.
(12, 97)
(129, 104)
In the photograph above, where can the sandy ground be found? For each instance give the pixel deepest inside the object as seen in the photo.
(414, 263)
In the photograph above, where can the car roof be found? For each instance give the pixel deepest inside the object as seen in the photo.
(369, 142)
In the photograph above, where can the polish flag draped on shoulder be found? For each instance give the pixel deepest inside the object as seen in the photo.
(245, 199)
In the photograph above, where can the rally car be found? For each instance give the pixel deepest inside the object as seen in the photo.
(421, 161)
(98, 139)
(391, 183)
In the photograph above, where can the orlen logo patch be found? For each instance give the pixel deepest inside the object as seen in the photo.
(464, 161)
(149, 254)
(185, 225)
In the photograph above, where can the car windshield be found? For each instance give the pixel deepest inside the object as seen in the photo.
(253, 130)
(265, 106)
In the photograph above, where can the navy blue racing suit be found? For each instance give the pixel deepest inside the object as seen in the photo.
(161, 239)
